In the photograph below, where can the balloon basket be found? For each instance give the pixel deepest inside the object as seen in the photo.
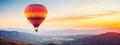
(36, 30)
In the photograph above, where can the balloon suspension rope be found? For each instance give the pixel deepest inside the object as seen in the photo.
(36, 29)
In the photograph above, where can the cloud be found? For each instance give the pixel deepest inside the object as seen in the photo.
(108, 19)
(81, 17)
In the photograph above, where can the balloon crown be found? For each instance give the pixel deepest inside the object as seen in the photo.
(35, 5)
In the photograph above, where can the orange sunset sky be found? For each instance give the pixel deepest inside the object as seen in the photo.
(64, 14)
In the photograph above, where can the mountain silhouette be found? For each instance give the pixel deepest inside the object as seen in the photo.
(14, 37)
(109, 38)
(21, 36)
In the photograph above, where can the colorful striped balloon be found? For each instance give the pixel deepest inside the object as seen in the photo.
(36, 13)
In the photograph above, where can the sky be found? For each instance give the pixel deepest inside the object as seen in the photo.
(71, 14)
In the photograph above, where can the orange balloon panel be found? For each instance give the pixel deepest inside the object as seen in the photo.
(36, 14)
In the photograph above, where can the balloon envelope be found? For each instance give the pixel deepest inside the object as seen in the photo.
(35, 13)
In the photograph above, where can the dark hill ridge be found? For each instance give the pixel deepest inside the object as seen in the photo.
(11, 42)
(110, 38)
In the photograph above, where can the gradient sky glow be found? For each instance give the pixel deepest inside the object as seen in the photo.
(63, 13)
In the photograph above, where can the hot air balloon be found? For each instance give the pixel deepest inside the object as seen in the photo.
(36, 14)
